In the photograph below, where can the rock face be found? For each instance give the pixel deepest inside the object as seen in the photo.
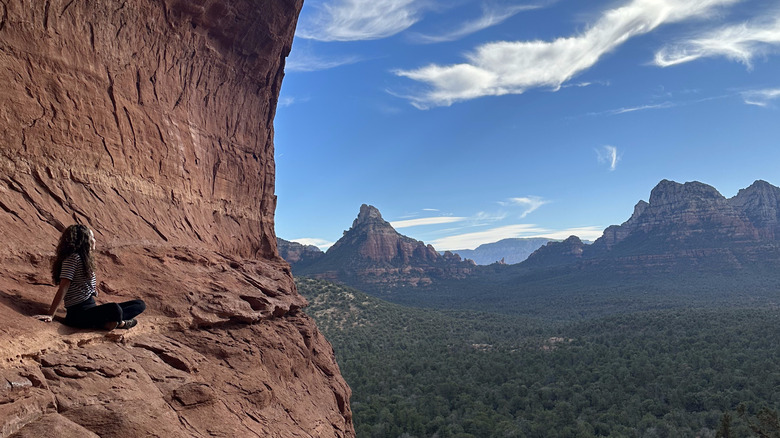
(372, 252)
(761, 204)
(151, 122)
(557, 253)
(687, 224)
(297, 254)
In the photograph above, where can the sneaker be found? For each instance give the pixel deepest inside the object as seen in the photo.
(128, 324)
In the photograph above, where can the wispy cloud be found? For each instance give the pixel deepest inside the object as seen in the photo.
(483, 216)
(431, 209)
(761, 98)
(584, 233)
(426, 221)
(492, 15)
(740, 43)
(285, 101)
(504, 67)
(357, 20)
(657, 106)
(302, 61)
(474, 239)
(608, 155)
(642, 108)
(528, 203)
(320, 243)
(585, 84)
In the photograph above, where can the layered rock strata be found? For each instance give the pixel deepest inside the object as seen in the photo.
(689, 224)
(151, 122)
(295, 253)
(373, 253)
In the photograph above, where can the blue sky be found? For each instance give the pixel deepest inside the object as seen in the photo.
(466, 122)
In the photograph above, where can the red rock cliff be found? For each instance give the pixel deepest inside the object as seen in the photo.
(151, 122)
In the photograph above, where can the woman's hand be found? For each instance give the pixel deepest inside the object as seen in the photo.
(44, 318)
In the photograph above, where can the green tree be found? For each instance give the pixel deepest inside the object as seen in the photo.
(724, 429)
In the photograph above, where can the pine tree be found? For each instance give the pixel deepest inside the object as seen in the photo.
(724, 430)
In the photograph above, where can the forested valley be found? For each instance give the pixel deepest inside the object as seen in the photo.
(702, 371)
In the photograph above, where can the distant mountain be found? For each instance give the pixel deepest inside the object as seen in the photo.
(685, 226)
(298, 254)
(557, 253)
(511, 251)
(372, 252)
(688, 243)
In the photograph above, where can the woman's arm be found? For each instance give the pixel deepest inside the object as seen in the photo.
(64, 284)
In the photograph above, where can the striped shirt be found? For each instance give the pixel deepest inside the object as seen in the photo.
(80, 288)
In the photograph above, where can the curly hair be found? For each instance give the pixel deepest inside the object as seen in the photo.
(75, 239)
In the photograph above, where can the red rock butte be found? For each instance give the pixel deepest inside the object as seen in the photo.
(152, 122)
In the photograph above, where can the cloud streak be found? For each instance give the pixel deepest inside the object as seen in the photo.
(739, 43)
(642, 108)
(474, 239)
(491, 16)
(608, 155)
(286, 101)
(320, 243)
(662, 105)
(529, 204)
(505, 67)
(762, 98)
(426, 221)
(301, 62)
(359, 20)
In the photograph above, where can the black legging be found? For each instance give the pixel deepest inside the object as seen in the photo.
(87, 314)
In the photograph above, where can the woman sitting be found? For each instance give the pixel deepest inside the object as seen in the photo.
(74, 271)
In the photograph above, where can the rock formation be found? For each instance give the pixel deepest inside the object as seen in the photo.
(557, 253)
(761, 204)
(151, 122)
(298, 254)
(372, 252)
(687, 224)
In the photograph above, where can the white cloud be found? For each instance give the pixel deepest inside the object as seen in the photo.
(357, 20)
(505, 67)
(474, 239)
(491, 15)
(286, 101)
(643, 107)
(431, 209)
(585, 84)
(740, 43)
(608, 155)
(301, 61)
(662, 105)
(761, 97)
(320, 243)
(584, 233)
(483, 216)
(529, 204)
(426, 221)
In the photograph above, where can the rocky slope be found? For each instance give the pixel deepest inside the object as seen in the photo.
(372, 252)
(151, 122)
(298, 254)
(557, 253)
